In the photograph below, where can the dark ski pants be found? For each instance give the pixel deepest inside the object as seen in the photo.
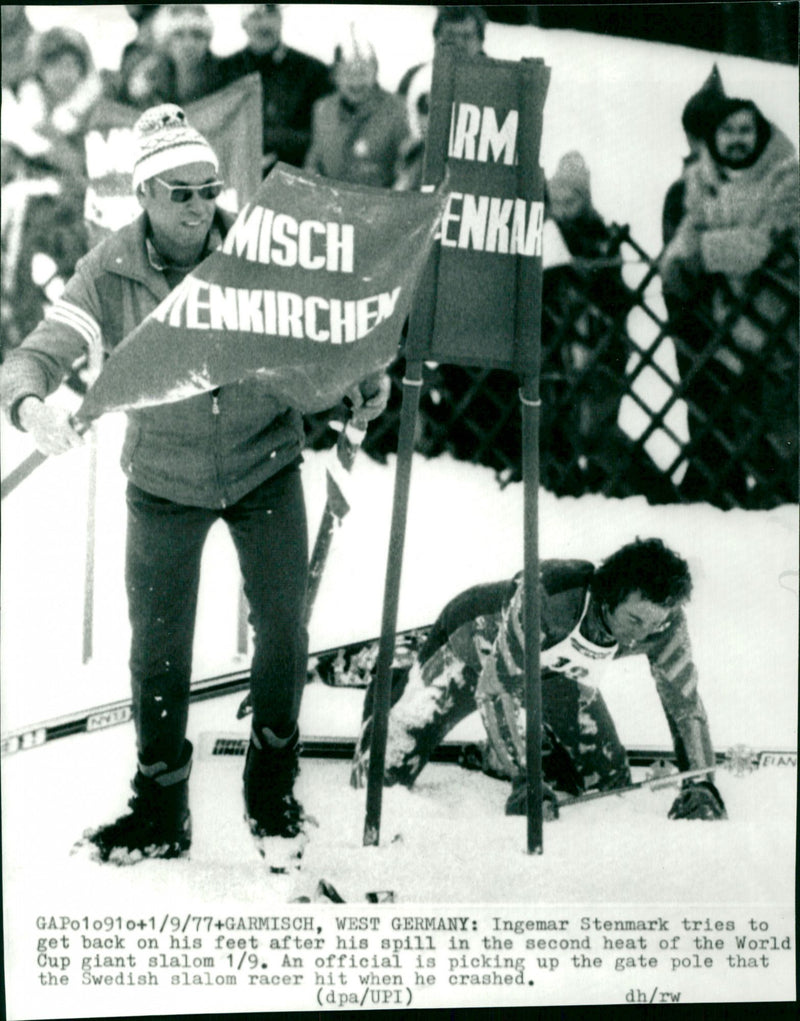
(164, 548)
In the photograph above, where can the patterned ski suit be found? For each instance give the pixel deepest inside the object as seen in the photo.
(474, 659)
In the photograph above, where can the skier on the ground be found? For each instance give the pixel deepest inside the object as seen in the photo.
(474, 659)
(233, 453)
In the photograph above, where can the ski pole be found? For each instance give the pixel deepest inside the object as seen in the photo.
(29, 465)
(21, 472)
(348, 444)
(653, 782)
(739, 760)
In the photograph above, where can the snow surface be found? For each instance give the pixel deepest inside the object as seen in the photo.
(446, 842)
(620, 103)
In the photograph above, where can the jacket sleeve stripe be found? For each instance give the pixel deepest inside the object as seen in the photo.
(67, 314)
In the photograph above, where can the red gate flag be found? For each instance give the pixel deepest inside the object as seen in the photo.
(309, 292)
(231, 121)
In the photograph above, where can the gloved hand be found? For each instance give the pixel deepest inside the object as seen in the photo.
(369, 397)
(698, 800)
(517, 803)
(51, 428)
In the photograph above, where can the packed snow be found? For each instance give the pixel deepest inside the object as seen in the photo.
(446, 842)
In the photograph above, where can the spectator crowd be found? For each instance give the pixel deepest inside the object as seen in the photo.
(730, 226)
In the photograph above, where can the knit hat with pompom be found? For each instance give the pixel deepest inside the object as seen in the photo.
(165, 140)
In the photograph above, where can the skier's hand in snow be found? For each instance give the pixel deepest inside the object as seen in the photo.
(51, 428)
(369, 397)
(698, 800)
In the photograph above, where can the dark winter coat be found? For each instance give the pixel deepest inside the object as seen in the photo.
(291, 82)
(207, 451)
(361, 145)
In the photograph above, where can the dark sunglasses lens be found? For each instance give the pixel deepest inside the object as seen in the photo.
(206, 191)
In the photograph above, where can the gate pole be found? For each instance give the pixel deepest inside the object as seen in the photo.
(412, 385)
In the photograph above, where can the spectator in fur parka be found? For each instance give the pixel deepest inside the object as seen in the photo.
(699, 109)
(741, 207)
(741, 195)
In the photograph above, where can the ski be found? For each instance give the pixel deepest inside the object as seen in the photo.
(347, 665)
(469, 754)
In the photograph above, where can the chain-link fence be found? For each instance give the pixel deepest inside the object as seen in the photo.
(674, 401)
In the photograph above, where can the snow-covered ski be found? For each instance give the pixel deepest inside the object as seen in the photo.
(347, 665)
(353, 665)
(469, 754)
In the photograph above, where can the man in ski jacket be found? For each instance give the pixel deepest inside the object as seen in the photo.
(590, 616)
(359, 131)
(233, 453)
(291, 82)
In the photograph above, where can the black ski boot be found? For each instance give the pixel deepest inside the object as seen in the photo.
(270, 770)
(159, 823)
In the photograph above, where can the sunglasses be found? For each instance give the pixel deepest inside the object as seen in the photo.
(183, 192)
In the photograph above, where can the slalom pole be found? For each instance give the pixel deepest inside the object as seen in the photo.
(28, 465)
(382, 685)
(242, 624)
(95, 367)
(531, 410)
(18, 475)
(528, 354)
(91, 541)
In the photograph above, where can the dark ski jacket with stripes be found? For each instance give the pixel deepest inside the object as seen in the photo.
(206, 451)
(494, 644)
